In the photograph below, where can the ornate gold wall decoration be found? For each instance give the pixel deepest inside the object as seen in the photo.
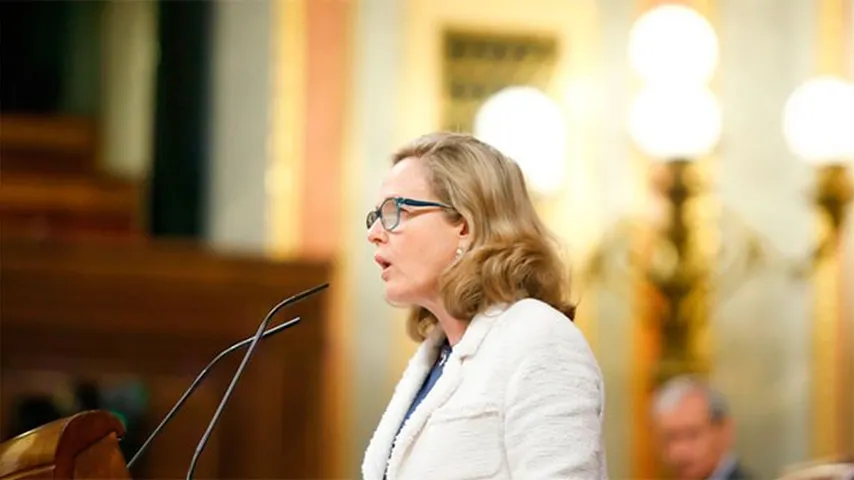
(476, 65)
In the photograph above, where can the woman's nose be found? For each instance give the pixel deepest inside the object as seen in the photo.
(376, 233)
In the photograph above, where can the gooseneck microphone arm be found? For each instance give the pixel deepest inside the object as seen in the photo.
(258, 335)
(196, 382)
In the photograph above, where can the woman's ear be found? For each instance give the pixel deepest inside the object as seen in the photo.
(464, 232)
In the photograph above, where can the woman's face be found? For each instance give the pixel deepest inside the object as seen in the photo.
(422, 244)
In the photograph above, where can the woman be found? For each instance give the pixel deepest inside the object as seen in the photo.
(503, 384)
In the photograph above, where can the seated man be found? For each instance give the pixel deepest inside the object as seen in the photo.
(695, 431)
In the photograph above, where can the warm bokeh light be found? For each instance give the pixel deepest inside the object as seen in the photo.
(527, 125)
(673, 44)
(671, 123)
(818, 120)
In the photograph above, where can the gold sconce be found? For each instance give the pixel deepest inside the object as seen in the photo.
(676, 120)
(679, 274)
(818, 123)
(834, 194)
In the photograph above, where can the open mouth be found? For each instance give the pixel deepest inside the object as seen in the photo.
(382, 262)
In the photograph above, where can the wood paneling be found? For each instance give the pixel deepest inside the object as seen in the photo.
(52, 187)
(161, 311)
(65, 206)
(48, 144)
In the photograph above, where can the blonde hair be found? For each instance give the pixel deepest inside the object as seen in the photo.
(511, 256)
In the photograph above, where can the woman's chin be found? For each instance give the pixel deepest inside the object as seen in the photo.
(400, 305)
(394, 301)
(396, 298)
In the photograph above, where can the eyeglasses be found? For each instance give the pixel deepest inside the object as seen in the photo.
(389, 211)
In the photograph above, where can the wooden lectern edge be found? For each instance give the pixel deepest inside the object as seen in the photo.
(57, 443)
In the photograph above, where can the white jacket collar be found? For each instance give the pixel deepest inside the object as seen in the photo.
(379, 453)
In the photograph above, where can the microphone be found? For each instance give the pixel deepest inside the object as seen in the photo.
(196, 382)
(258, 335)
(219, 357)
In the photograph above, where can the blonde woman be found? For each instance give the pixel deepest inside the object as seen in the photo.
(503, 384)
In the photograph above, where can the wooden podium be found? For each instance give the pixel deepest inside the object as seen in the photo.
(85, 445)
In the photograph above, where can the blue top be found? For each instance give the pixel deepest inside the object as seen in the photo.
(431, 380)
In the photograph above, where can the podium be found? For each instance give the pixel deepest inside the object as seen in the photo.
(84, 445)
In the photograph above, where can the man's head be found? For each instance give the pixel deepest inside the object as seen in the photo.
(693, 427)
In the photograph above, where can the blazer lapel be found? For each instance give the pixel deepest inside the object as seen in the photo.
(377, 453)
(442, 390)
(445, 386)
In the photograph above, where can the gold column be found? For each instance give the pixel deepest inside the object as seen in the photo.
(287, 138)
(832, 400)
(312, 181)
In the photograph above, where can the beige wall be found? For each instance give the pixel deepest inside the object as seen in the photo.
(761, 347)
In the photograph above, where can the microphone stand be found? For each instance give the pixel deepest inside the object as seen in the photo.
(198, 380)
(258, 335)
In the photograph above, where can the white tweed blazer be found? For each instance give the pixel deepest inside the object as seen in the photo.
(521, 397)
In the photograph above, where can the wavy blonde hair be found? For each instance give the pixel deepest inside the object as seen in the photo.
(512, 255)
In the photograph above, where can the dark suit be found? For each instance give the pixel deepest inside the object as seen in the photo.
(735, 472)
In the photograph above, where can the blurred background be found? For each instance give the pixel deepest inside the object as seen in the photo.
(172, 169)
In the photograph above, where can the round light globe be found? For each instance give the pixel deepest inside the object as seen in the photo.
(528, 126)
(675, 123)
(818, 121)
(673, 44)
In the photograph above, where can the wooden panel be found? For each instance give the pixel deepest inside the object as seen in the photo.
(70, 207)
(160, 312)
(48, 144)
(52, 186)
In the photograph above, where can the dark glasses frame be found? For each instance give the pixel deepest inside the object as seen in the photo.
(377, 213)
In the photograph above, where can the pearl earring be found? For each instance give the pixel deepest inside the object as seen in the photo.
(459, 252)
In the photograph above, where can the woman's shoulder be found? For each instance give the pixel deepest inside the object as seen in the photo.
(530, 324)
(534, 318)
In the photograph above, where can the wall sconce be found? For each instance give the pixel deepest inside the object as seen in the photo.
(675, 124)
(529, 127)
(676, 120)
(818, 124)
(673, 44)
(677, 127)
